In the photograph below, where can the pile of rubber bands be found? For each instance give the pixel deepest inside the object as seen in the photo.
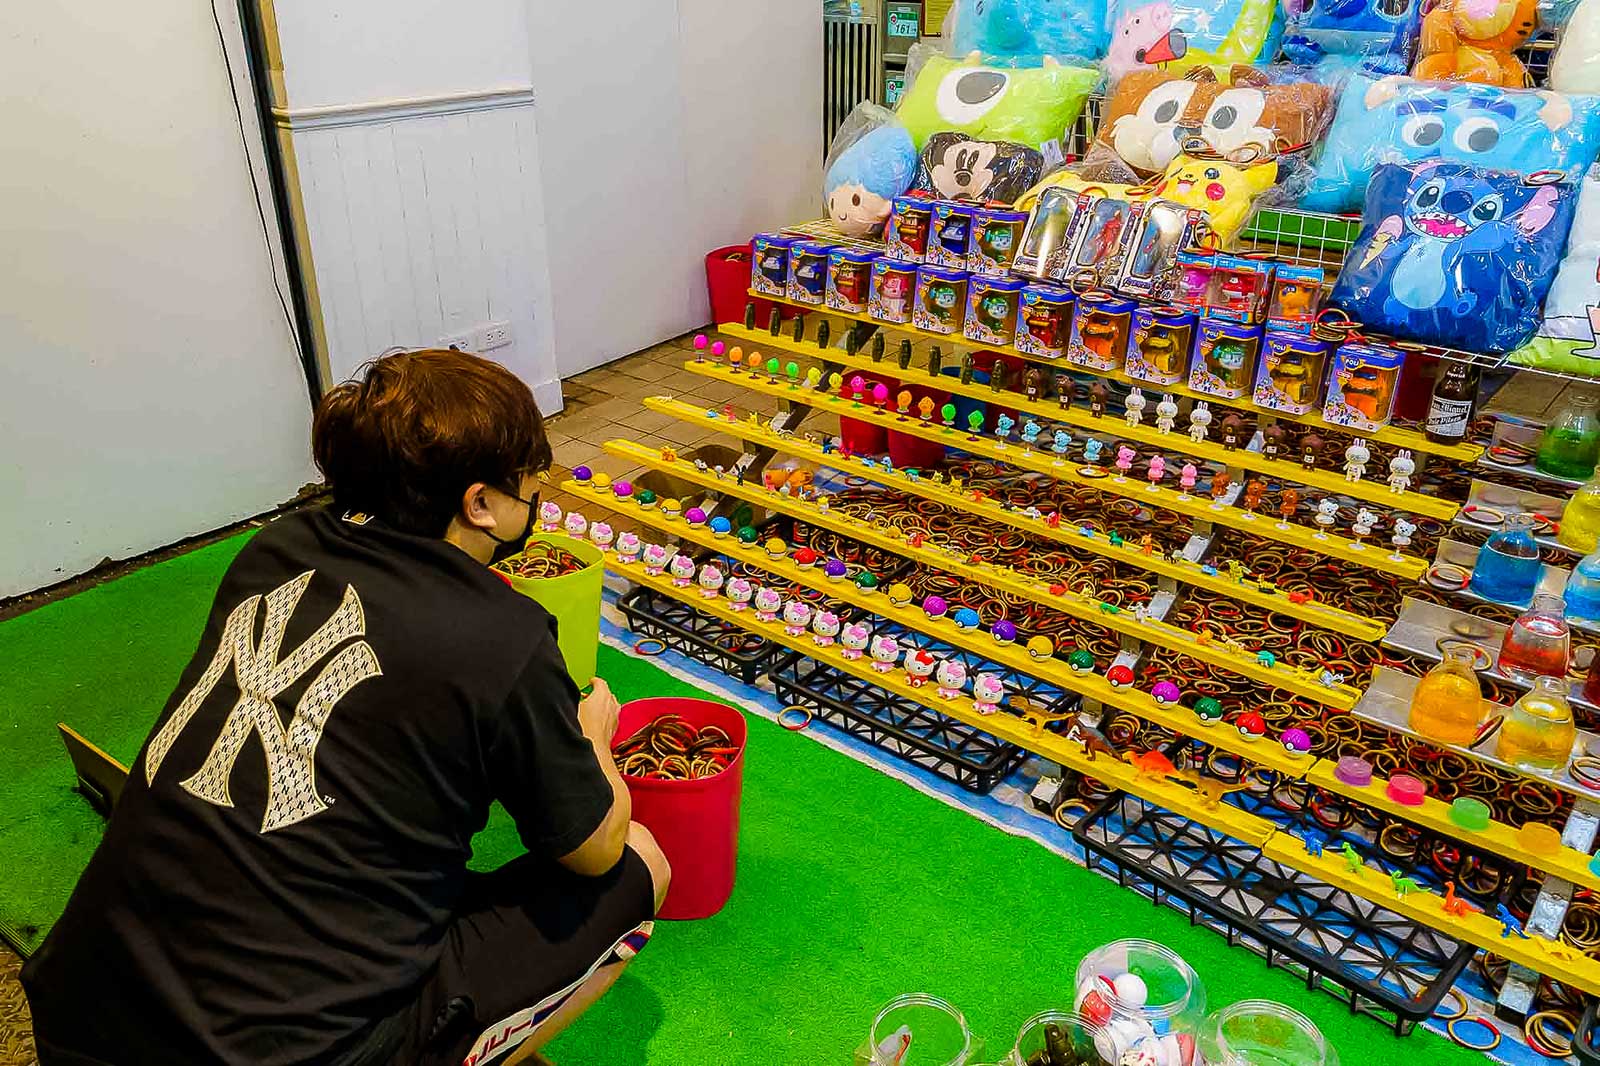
(542, 559)
(670, 749)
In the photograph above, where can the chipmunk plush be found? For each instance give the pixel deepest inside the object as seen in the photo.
(1473, 40)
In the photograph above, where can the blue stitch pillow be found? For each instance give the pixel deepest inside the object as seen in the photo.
(1369, 33)
(1455, 256)
(1404, 120)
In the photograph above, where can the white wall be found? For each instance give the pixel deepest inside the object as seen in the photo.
(149, 388)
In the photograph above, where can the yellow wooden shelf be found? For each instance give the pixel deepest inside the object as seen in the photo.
(1086, 608)
(1393, 435)
(1013, 656)
(1199, 508)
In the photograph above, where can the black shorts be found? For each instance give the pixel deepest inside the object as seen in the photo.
(528, 935)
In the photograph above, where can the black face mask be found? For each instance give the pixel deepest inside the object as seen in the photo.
(505, 549)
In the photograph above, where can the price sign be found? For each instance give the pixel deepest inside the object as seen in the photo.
(904, 24)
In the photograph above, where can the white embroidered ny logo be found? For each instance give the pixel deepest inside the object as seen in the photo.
(291, 753)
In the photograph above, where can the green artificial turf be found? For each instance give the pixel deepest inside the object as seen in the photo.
(853, 888)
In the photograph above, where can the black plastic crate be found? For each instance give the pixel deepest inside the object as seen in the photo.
(1380, 963)
(702, 637)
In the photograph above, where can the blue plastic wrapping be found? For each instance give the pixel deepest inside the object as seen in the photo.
(1453, 255)
(1023, 32)
(1379, 36)
(1178, 35)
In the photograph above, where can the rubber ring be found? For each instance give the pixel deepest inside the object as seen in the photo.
(783, 717)
(1448, 576)
(1450, 1028)
(659, 646)
(1484, 516)
(1461, 1006)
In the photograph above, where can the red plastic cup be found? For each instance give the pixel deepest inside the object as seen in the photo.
(695, 822)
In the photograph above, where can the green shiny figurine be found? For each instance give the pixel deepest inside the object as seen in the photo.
(975, 423)
(948, 414)
(792, 372)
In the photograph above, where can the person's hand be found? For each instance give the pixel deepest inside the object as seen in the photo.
(597, 714)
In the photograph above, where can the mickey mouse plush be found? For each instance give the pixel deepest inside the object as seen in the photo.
(955, 167)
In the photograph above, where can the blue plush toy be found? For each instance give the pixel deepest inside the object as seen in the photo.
(1023, 32)
(1398, 119)
(1456, 256)
(1378, 36)
(862, 179)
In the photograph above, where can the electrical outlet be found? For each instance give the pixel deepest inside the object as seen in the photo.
(461, 342)
(494, 335)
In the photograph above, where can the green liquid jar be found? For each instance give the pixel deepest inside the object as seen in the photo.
(1571, 443)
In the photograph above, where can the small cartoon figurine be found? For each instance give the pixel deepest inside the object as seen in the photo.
(1166, 414)
(682, 571)
(1272, 441)
(1401, 467)
(1066, 392)
(1355, 460)
(1403, 886)
(1124, 461)
(549, 516)
(1199, 420)
(1288, 504)
(796, 616)
(1032, 384)
(1030, 432)
(600, 536)
(824, 627)
(1002, 429)
(1453, 904)
(1186, 479)
(1236, 571)
(920, 665)
(710, 580)
(885, 653)
(1253, 490)
(1091, 451)
(1220, 484)
(952, 678)
(853, 641)
(1063, 441)
(1509, 926)
(1266, 658)
(1353, 861)
(768, 604)
(1330, 679)
(1232, 430)
(1327, 513)
(656, 558)
(1135, 406)
(1402, 535)
(1362, 527)
(988, 691)
(576, 525)
(1157, 471)
(1097, 399)
(628, 547)
(739, 592)
(1311, 446)
(925, 408)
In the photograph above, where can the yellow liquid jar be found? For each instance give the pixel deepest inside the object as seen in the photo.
(1447, 704)
(1580, 521)
(1538, 733)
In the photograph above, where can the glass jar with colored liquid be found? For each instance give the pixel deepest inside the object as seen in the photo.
(1507, 569)
(1571, 444)
(1580, 519)
(1539, 644)
(1447, 704)
(1583, 588)
(1538, 733)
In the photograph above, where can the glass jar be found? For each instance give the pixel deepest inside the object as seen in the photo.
(1137, 991)
(1571, 444)
(1055, 1035)
(1258, 1032)
(1507, 568)
(1538, 732)
(917, 1030)
(1583, 588)
(1580, 519)
(1447, 704)
(1538, 644)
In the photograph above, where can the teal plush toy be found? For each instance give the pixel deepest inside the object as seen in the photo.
(1023, 32)
(873, 161)
(1024, 105)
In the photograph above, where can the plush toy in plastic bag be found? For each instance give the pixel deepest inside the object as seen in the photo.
(872, 161)
(1569, 337)
(1376, 36)
(1407, 120)
(1023, 32)
(1453, 255)
(1175, 35)
(1472, 40)
(1032, 106)
(1575, 68)
(956, 167)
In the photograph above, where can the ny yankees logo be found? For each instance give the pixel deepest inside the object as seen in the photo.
(291, 753)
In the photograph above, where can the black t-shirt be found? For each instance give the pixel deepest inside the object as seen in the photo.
(286, 856)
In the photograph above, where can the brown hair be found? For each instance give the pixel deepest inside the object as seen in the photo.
(405, 438)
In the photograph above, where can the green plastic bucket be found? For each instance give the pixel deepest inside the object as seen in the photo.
(574, 600)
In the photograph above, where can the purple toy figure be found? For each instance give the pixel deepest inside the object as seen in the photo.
(1124, 461)
(1158, 470)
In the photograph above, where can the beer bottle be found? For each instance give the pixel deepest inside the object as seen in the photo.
(1450, 410)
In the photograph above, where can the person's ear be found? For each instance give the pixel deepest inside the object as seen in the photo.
(475, 510)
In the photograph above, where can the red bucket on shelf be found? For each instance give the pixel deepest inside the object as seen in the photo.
(695, 822)
(728, 287)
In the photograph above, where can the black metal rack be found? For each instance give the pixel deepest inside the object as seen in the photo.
(701, 637)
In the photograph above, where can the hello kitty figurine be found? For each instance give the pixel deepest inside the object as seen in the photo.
(1166, 414)
(1401, 467)
(682, 570)
(952, 678)
(628, 547)
(600, 536)
(1355, 460)
(796, 616)
(854, 640)
(987, 692)
(824, 628)
(710, 580)
(1199, 421)
(885, 653)
(549, 517)
(920, 665)
(739, 592)
(768, 604)
(655, 559)
(1327, 512)
(1134, 405)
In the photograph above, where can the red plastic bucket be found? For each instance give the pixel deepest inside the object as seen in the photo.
(728, 287)
(695, 822)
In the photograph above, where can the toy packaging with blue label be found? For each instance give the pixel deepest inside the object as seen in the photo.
(1044, 320)
(950, 238)
(1225, 358)
(909, 224)
(808, 271)
(1289, 376)
(769, 264)
(992, 309)
(1362, 385)
(1162, 340)
(849, 280)
(1100, 331)
(941, 299)
(893, 284)
(997, 232)
(1296, 298)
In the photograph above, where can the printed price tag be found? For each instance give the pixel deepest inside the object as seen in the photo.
(903, 24)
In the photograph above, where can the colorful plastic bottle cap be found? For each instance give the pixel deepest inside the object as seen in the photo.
(1407, 790)
(1469, 813)
(1538, 839)
(1354, 770)
(581, 474)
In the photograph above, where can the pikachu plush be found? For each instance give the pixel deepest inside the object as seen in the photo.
(1473, 40)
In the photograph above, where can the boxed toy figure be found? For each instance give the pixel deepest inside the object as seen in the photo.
(996, 233)
(992, 309)
(849, 278)
(893, 283)
(1159, 350)
(1361, 386)
(941, 299)
(769, 264)
(808, 271)
(1148, 269)
(1194, 279)
(1100, 331)
(1239, 289)
(1044, 320)
(1296, 298)
(909, 223)
(1289, 377)
(950, 238)
(1225, 358)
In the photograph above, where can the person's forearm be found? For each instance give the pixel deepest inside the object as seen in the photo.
(621, 802)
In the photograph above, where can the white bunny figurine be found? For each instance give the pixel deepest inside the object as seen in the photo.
(1166, 414)
(1135, 407)
(1355, 460)
(1199, 419)
(1401, 467)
